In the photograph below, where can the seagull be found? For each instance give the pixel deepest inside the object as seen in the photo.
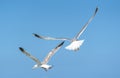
(75, 42)
(43, 64)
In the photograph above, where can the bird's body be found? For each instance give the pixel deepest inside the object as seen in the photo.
(44, 66)
(75, 45)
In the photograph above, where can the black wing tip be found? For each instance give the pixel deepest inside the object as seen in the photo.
(36, 35)
(96, 9)
(21, 49)
(61, 44)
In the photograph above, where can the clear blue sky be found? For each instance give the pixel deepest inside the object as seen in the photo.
(98, 57)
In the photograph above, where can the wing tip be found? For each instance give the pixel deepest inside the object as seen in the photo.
(21, 49)
(36, 35)
(61, 44)
(96, 9)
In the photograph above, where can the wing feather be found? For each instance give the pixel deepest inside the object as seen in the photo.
(52, 52)
(29, 55)
(49, 38)
(85, 26)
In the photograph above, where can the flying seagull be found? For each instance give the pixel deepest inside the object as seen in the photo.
(75, 43)
(43, 64)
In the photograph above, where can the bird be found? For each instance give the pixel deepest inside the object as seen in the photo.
(42, 64)
(75, 42)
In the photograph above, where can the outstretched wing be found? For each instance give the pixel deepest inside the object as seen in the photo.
(85, 26)
(49, 38)
(29, 55)
(52, 52)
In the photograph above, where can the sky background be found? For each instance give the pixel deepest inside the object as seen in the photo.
(98, 57)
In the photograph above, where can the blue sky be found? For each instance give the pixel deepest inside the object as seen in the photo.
(98, 57)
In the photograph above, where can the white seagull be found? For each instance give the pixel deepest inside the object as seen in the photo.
(75, 43)
(43, 64)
